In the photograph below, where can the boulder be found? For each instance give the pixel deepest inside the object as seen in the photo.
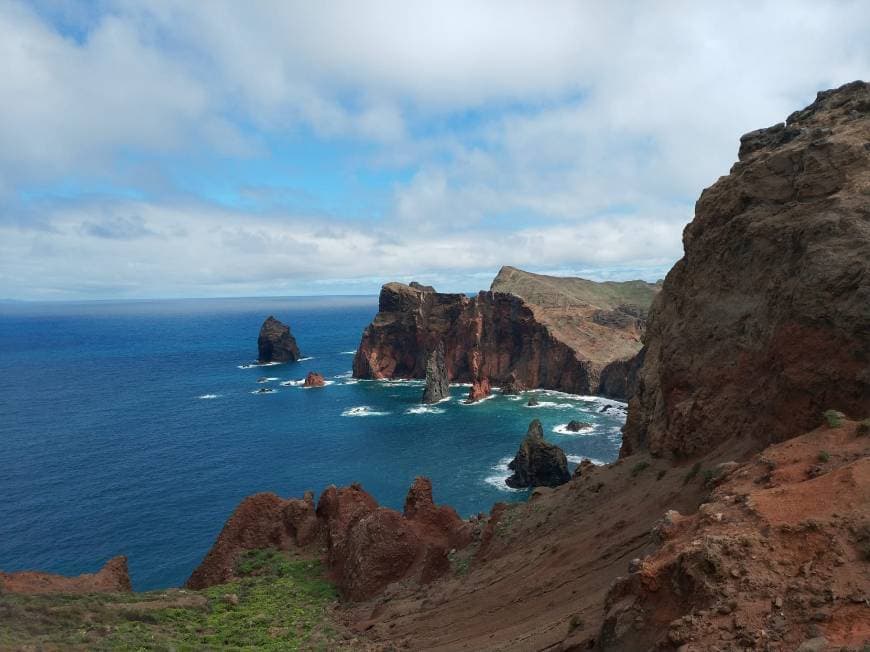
(437, 382)
(276, 343)
(538, 462)
(314, 379)
(533, 402)
(480, 389)
(577, 426)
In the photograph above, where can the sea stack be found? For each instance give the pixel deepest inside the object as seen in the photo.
(437, 383)
(314, 379)
(276, 343)
(538, 463)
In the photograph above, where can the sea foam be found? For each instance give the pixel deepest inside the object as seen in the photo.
(362, 411)
(502, 473)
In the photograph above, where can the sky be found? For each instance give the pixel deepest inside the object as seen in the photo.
(196, 149)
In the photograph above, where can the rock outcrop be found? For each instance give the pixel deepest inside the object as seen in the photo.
(113, 577)
(764, 322)
(367, 547)
(512, 386)
(314, 379)
(276, 343)
(437, 382)
(538, 463)
(562, 342)
(577, 426)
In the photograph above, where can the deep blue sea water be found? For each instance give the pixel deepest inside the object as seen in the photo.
(130, 428)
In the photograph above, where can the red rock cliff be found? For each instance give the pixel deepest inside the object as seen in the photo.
(555, 339)
(765, 322)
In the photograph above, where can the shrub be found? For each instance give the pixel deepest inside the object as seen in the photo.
(824, 456)
(576, 623)
(833, 418)
(692, 473)
(863, 428)
(639, 468)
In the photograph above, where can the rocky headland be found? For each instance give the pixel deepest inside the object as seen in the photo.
(276, 343)
(529, 330)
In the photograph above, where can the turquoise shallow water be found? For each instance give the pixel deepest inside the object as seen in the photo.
(132, 428)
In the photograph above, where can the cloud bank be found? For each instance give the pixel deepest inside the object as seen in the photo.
(201, 149)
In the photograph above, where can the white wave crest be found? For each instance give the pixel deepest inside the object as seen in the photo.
(553, 405)
(576, 459)
(502, 473)
(362, 411)
(310, 357)
(424, 409)
(266, 380)
(562, 429)
(254, 365)
(478, 401)
(347, 352)
(265, 390)
(293, 383)
(208, 396)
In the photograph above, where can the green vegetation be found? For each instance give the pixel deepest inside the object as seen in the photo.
(833, 418)
(460, 562)
(824, 456)
(276, 604)
(576, 622)
(863, 428)
(692, 473)
(639, 468)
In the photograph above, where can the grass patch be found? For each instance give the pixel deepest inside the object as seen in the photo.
(639, 468)
(833, 418)
(692, 473)
(282, 605)
(824, 456)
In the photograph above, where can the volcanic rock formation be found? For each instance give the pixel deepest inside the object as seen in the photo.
(276, 343)
(565, 336)
(314, 379)
(765, 321)
(437, 383)
(538, 463)
(367, 547)
(113, 577)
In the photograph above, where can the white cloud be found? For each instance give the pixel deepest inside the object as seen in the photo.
(559, 134)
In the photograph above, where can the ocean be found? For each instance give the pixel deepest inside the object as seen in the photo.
(134, 427)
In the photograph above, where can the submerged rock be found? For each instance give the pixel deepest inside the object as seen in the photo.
(437, 382)
(276, 343)
(512, 386)
(577, 426)
(533, 402)
(314, 379)
(538, 462)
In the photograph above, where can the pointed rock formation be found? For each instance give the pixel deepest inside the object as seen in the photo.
(512, 386)
(437, 383)
(276, 343)
(538, 463)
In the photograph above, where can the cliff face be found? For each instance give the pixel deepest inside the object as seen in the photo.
(554, 339)
(765, 322)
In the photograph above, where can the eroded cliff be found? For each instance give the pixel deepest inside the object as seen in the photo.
(765, 321)
(568, 334)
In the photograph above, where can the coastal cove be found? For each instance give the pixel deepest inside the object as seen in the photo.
(135, 428)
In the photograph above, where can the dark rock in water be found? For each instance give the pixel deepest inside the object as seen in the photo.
(262, 379)
(314, 379)
(437, 383)
(533, 402)
(265, 390)
(577, 426)
(276, 343)
(538, 463)
(512, 385)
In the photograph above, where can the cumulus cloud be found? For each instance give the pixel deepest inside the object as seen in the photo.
(560, 135)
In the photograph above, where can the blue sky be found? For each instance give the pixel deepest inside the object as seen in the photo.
(173, 148)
